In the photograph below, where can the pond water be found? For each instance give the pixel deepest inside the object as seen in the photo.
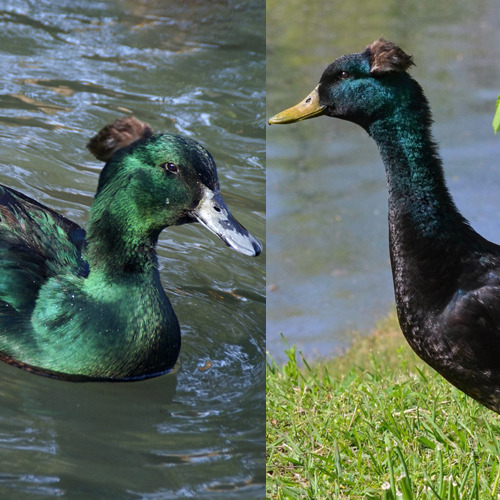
(190, 67)
(328, 264)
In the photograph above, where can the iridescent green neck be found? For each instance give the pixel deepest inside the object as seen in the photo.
(121, 236)
(117, 241)
(429, 238)
(419, 200)
(128, 212)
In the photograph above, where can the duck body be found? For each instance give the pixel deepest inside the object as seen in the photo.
(56, 313)
(83, 306)
(446, 276)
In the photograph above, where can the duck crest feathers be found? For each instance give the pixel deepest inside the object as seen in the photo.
(117, 135)
(385, 56)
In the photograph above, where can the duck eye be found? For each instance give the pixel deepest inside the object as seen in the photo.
(171, 167)
(344, 75)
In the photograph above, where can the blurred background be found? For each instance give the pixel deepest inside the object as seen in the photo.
(328, 270)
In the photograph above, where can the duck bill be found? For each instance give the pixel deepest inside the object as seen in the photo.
(308, 108)
(213, 213)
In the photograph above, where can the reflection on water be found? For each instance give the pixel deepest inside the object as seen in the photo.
(328, 260)
(198, 69)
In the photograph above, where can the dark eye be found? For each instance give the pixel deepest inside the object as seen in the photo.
(171, 167)
(344, 75)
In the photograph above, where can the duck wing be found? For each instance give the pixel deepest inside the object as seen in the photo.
(469, 343)
(476, 315)
(36, 243)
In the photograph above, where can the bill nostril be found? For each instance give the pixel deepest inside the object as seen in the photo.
(217, 209)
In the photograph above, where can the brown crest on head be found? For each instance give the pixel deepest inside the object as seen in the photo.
(385, 57)
(117, 135)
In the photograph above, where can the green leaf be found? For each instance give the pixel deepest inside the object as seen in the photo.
(496, 118)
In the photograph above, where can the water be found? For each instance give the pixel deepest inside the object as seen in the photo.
(328, 260)
(195, 68)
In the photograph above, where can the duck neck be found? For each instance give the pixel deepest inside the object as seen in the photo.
(117, 243)
(419, 201)
(428, 235)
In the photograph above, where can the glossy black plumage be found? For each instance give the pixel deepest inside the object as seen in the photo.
(446, 276)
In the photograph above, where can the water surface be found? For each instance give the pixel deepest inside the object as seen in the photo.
(328, 260)
(195, 68)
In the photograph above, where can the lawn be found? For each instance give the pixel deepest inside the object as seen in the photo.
(376, 423)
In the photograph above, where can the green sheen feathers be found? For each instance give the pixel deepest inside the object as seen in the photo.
(91, 305)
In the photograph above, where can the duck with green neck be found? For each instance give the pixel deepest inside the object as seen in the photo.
(446, 276)
(90, 306)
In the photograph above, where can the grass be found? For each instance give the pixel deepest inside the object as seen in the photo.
(376, 423)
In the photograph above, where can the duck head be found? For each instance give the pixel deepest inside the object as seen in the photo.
(164, 180)
(359, 87)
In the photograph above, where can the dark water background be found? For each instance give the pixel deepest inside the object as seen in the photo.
(191, 67)
(328, 261)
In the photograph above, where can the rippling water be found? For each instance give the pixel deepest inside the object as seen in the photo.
(196, 68)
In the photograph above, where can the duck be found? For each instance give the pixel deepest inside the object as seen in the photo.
(446, 276)
(89, 305)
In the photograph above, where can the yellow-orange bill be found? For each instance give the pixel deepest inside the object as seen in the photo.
(308, 108)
